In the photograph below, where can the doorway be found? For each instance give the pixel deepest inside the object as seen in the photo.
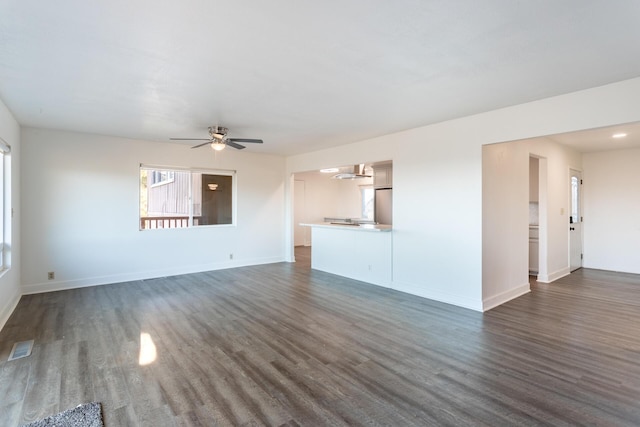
(299, 214)
(538, 218)
(301, 234)
(575, 220)
(534, 215)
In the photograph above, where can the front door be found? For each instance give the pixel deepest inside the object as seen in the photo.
(575, 221)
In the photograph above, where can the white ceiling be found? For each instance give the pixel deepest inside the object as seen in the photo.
(300, 75)
(601, 139)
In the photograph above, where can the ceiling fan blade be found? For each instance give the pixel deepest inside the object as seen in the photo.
(255, 141)
(190, 139)
(234, 145)
(200, 145)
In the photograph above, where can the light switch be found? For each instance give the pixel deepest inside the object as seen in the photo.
(561, 211)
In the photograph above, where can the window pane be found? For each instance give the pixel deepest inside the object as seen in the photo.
(212, 199)
(164, 199)
(575, 202)
(367, 197)
(3, 222)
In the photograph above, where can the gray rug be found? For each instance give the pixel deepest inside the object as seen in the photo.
(87, 415)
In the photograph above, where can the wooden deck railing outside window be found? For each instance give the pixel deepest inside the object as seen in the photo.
(151, 222)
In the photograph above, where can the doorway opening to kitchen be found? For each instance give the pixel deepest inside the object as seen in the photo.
(353, 195)
(301, 234)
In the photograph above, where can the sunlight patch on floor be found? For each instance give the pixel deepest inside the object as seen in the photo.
(147, 350)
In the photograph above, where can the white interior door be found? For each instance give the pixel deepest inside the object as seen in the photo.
(299, 214)
(575, 221)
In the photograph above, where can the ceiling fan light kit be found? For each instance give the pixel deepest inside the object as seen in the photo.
(218, 132)
(218, 145)
(218, 139)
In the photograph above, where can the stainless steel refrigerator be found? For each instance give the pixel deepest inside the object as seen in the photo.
(383, 206)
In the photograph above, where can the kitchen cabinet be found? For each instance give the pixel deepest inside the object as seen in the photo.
(383, 176)
(533, 249)
(360, 253)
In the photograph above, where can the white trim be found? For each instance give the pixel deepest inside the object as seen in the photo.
(382, 283)
(37, 288)
(188, 169)
(5, 202)
(9, 307)
(420, 291)
(554, 276)
(502, 297)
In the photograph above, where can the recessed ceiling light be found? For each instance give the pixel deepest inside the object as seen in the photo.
(329, 170)
(619, 135)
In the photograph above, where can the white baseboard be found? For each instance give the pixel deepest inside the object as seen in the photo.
(385, 283)
(554, 276)
(418, 290)
(51, 286)
(502, 297)
(7, 309)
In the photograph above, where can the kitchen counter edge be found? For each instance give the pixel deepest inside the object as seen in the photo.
(361, 227)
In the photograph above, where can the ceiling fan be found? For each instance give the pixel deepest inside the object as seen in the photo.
(219, 140)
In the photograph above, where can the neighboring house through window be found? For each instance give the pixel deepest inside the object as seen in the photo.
(161, 177)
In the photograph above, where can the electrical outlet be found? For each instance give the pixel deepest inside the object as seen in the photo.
(230, 256)
(51, 275)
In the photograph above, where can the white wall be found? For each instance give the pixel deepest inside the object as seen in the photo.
(534, 173)
(611, 203)
(10, 279)
(81, 217)
(505, 210)
(505, 225)
(437, 237)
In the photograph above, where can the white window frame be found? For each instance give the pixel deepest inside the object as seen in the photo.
(5, 203)
(223, 172)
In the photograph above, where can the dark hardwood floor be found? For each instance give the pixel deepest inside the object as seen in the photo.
(281, 344)
(303, 256)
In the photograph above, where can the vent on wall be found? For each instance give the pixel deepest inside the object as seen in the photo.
(21, 349)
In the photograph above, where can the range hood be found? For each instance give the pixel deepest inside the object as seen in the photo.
(358, 172)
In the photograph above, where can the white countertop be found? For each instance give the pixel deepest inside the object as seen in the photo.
(360, 227)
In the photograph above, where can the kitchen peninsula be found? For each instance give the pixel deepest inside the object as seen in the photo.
(358, 251)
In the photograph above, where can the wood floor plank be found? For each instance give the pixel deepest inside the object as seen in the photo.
(10, 414)
(14, 379)
(75, 372)
(42, 397)
(284, 345)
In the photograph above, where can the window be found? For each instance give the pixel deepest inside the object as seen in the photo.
(5, 187)
(159, 177)
(575, 200)
(180, 198)
(366, 201)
